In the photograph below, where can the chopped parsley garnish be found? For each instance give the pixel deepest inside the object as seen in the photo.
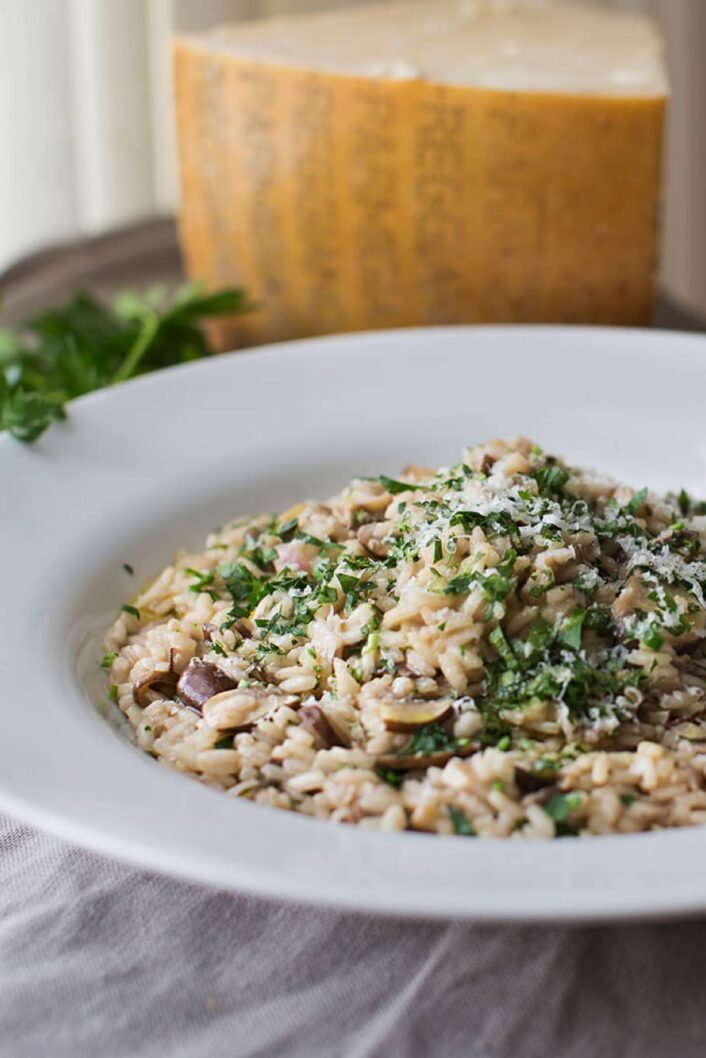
(637, 501)
(496, 583)
(307, 538)
(560, 807)
(684, 501)
(460, 822)
(460, 585)
(245, 589)
(498, 639)
(391, 777)
(202, 580)
(107, 660)
(431, 738)
(571, 630)
(132, 610)
(652, 638)
(393, 487)
(551, 480)
(128, 569)
(600, 619)
(287, 529)
(347, 582)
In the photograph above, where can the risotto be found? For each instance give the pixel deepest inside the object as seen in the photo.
(510, 647)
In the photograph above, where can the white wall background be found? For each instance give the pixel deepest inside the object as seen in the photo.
(87, 142)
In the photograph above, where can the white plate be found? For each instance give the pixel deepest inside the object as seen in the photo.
(152, 465)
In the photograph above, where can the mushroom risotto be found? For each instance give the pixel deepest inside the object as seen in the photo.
(509, 647)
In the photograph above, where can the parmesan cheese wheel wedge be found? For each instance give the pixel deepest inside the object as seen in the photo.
(424, 163)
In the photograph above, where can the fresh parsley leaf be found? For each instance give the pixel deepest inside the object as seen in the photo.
(85, 345)
(499, 641)
(202, 579)
(288, 528)
(132, 610)
(652, 637)
(388, 775)
(431, 738)
(539, 636)
(393, 487)
(347, 582)
(314, 540)
(570, 634)
(460, 822)
(561, 805)
(684, 501)
(551, 480)
(637, 501)
(245, 589)
(26, 414)
(601, 619)
(459, 585)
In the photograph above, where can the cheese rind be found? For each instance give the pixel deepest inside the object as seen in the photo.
(345, 202)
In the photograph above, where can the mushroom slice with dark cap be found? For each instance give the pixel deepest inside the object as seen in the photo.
(314, 720)
(531, 781)
(437, 759)
(200, 681)
(161, 681)
(409, 715)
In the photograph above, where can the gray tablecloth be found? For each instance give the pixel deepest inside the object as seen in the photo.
(98, 960)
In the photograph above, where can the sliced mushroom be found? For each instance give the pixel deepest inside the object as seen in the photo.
(408, 761)
(244, 628)
(314, 720)
(408, 716)
(200, 681)
(417, 473)
(240, 708)
(531, 781)
(372, 537)
(692, 732)
(546, 793)
(256, 672)
(161, 681)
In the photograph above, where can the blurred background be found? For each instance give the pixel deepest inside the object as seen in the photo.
(87, 139)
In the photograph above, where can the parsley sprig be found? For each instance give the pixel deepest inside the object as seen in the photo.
(85, 345)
